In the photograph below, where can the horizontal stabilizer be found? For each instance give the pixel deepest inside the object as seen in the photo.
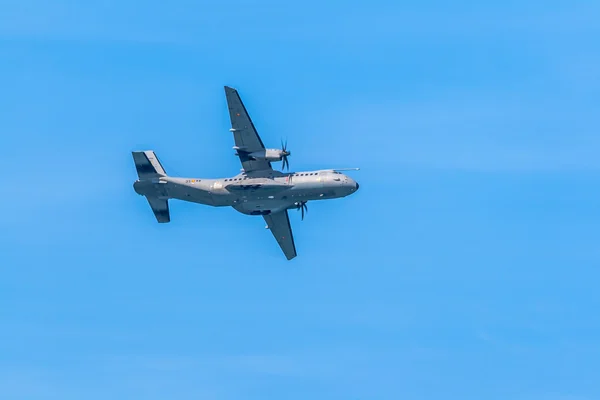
(160, 208)
(147, 164)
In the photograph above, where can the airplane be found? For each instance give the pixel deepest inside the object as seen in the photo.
(257, 190)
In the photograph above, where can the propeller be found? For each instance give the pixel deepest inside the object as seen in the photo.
(284, 155)
(301, 205)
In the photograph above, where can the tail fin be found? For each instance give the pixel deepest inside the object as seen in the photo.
(147, 164)
(149, 168)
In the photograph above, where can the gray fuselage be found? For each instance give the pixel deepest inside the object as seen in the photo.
(252, 194)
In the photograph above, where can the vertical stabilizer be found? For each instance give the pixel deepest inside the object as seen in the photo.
(147, 164)
(149, 171)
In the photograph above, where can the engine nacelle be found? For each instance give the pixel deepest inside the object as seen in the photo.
(268, 155)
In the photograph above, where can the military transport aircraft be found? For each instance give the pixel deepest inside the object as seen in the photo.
(257, 190)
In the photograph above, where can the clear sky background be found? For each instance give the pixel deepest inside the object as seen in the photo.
(466, 267)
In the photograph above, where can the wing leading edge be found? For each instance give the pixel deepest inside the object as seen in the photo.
(279, 225)
(245, 135)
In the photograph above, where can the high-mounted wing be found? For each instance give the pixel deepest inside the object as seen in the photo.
(279, 225)
(244, 133)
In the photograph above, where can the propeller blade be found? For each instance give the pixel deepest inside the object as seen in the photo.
(284, 156)
(301, 206)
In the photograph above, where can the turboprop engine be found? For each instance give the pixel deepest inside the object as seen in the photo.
(271, 155)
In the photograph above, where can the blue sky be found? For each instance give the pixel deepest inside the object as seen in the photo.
(466, 267)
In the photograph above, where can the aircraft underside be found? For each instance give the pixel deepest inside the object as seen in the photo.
(251, 201)
(262, 208)
(259, 202)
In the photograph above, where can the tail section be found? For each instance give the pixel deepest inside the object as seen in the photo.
(160, 208)
(147, 165)
(150, 185)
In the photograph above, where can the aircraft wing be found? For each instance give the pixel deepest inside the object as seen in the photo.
(244, 133)
(279, 225)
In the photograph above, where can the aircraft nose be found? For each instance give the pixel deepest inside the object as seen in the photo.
(357, 185)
